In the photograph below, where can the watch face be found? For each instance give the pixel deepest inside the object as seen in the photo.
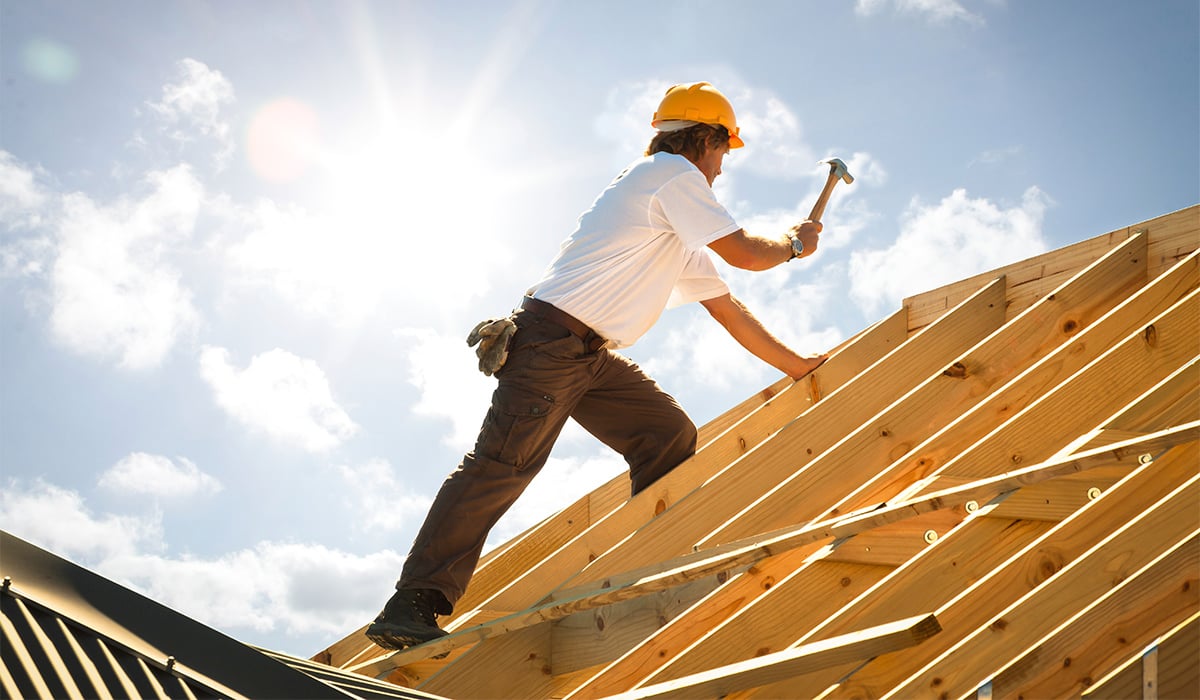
(797, 247)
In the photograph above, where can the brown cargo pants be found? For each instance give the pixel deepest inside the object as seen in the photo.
(551, 375)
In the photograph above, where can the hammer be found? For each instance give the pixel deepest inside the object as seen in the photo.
(837, 171)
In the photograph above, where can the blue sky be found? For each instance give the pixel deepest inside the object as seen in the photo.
(241, 243)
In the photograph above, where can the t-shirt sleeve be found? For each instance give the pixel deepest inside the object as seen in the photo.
(698, 281)
(693, 211)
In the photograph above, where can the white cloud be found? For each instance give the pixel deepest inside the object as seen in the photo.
(280, 394)
(21, 197)
(775, 145)
(159, 476)
(956, 238)
(194, 102)
(23, 204)
(58, 519)
(115, 295)
(444, 370)
(295, 587)
(381, 499)
(937, 11)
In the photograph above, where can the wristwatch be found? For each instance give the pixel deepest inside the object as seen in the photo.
(797, 245)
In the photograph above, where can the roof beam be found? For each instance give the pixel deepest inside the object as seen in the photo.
(1062, 375)
(731, 493)
(721, 559)
(1024, 388)
(568, 540)
(980, 568)
(752, 673)
(1131, 616)
(801, 582)
(1027, 623)
(810, 433)
(1177, 675)
(1085, 300)
(974, 656)
(962, 381)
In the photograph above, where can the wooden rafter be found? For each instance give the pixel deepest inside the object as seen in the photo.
(751, 673)
(721, 559)
(908, 477)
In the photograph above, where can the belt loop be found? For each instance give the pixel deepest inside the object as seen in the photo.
(591, 340)
(594, 342)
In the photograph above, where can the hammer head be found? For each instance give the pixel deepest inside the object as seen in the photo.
(838, 168)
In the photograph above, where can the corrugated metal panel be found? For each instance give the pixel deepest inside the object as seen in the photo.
(66, 632)
(352, 683)
(45, 655)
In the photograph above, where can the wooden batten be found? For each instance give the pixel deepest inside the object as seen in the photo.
(751, 673)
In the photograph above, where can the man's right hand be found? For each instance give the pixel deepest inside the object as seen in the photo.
(809, 233)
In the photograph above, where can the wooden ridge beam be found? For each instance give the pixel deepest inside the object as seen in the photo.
(1013, 306)
(721, 559)
(1172, 237)
(751, 673)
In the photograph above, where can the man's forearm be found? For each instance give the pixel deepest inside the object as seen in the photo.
(753, 252)
(754, 336)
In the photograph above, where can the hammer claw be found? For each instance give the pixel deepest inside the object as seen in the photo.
(837, 171)
(837, 167)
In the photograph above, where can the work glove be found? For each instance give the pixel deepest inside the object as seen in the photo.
(492, 336)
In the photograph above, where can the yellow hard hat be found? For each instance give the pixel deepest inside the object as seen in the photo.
(698, 102)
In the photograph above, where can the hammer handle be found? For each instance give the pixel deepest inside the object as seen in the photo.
(818, 209)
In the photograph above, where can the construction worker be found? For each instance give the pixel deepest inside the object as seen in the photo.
(638, 250)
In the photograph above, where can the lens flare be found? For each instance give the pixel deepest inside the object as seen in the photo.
(50, 61)
(282, 140)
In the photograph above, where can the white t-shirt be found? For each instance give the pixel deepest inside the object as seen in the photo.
(639, 250)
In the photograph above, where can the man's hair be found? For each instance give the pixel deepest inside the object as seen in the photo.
(690, 142)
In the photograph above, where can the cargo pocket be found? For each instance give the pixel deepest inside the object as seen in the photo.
(518, 424)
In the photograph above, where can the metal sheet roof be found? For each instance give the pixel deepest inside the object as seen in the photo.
(70, 633)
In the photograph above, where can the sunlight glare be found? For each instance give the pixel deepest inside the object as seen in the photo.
(282, 140)
(404, 212)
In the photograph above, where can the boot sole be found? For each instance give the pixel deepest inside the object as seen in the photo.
(398, 637)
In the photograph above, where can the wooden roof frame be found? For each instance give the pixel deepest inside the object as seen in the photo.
(927, 469)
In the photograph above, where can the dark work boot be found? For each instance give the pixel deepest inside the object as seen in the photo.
(409, 618)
